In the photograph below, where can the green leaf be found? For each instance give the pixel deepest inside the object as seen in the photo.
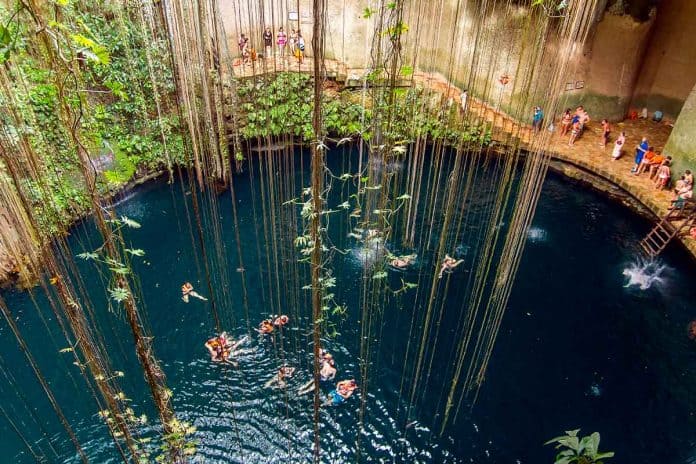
(379, 275)
(92, 49)
(118, 294)
(135, 252)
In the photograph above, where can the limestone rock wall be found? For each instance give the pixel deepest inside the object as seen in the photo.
(668, 72)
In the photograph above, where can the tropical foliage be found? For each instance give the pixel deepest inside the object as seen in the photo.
(577, 450)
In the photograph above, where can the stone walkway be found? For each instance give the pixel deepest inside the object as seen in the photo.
(586, 153)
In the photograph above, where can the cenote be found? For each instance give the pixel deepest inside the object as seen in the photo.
(577, 347)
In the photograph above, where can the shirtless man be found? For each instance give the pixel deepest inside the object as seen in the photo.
(187, 291)
(448, 264)
(344, 390)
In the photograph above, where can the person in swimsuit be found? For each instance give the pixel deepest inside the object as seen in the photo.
(187, 291)
(448, 264)
(663, 175)
(285, 372)
(565, 122)
(344, 390)
(327, 372)
(282, 40)
(574, 132)
(266, 327)
(281, 320)
(222, 348)
(606, 130)
(402, 262)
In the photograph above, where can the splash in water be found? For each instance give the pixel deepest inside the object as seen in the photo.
(536, 234)
(644, 274)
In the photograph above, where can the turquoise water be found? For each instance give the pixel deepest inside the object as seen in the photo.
(577, 348)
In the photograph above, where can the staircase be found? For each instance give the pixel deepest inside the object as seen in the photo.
(664, 231)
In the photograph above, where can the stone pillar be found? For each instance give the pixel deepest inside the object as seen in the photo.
(681, 145)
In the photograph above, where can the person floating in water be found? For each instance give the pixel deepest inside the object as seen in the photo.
(402, 262)
(266, 327)
(344, 390)
(285, 372)
(221, 348)
(187, 290)
(692, 330)
(281, 320)
(327, 372)
(448, 264)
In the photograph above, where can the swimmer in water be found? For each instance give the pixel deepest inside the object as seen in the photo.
(266, 327)
(692, 330)
(221, 348)
(281, 320)
(327, 372)
(187, 290)
(402, 262)
(448, 264)
(285, 372)
(344, 390)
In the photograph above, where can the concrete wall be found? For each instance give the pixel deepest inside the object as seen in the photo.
(668, 72)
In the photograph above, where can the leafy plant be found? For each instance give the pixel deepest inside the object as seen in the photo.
(576, 450)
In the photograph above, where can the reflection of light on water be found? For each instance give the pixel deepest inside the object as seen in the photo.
(644, 274)
(595, 390)
(371, 249)
(536, 234)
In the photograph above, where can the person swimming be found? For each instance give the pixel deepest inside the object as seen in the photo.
(692, 330)
(266, 327)
(281, 320)
(187, 290)
(285, 372)
(327, 372)
(222, 348)
(402, 262)
(344, 390)
(448, 264)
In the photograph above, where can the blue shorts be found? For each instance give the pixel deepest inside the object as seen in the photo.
(336, 399)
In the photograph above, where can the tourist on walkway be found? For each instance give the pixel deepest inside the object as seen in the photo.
(267, 43)
(574, 132)
(244, 48)
(538, 118)
(663, 176)
(689, 178)
(606, 130)
(282, 40)
(646, 161)
(656, 163)
(618, 147)
(299, 52)
(640, 152)
(293, 41)
(566, 120)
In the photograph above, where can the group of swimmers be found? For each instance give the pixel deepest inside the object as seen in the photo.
(223, 349)
(448, 263)
(268, 326)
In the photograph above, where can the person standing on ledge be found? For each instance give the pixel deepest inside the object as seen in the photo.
(281, 41)
(268, 43)
(640, 152)
(299, 53)
(606, 130)
(538, 118)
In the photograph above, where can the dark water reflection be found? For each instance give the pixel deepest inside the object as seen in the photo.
(576, 349)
